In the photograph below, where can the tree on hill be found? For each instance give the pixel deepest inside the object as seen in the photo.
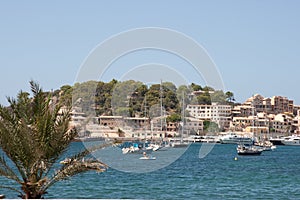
(229, 96)
(218, 96)
(153, 95)
(34, 133)
(183, 93)
(204, 98)
(169, 86)
(208, 88)
(174, 118)
(123, 97)
(138, 101)
(65, 94)
(165, 93)
(84, 96)
(103, 97)
(196, 87)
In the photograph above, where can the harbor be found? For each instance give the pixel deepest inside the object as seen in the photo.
(273, 175)
(150, 100)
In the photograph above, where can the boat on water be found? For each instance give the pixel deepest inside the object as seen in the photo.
(147, 157)
(233, 138)
(277, 140)
(179, 143)
(248, 150)
(209, 139)
(265, 145)
(139, 147)
(293, 140)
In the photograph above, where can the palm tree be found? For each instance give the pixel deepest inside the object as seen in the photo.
(34, 133)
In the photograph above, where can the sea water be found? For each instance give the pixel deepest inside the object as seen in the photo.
(272, 175)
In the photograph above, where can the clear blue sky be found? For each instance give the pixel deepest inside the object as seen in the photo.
(255, 44)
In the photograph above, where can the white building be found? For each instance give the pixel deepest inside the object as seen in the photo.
(282, 123)
(220, 114)
(296, 123)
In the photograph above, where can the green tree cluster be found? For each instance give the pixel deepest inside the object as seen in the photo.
(210, 127)
(134, 98)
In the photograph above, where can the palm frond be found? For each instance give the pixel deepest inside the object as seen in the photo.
(90, 150)
(35, 88)
(11, 188)
(11, 146)
(7, 171)
(77, 160)
(75, 167)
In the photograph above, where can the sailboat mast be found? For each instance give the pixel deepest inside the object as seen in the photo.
(161, 110)
(145, 116)
(183, 115)
(255, 129)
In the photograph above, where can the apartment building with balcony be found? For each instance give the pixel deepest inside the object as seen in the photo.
(260, 122)
(274, 105)
(282, 105)
(243, 111)
(259, 103)
(296, 123)
(194, 124)
(282, 123)
(220, 114)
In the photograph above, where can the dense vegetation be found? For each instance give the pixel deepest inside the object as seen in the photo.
(134, 98)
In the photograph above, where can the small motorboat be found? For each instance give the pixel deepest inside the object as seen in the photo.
(248, 150)
(147, 158)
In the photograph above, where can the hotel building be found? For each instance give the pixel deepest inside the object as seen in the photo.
(220, 114)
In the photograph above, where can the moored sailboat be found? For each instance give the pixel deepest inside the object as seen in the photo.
(181, 142)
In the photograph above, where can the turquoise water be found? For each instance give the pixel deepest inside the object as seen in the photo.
(273, 175)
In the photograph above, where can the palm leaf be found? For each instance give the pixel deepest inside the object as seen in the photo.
(76, 164)
(11, 188)
(6, 171)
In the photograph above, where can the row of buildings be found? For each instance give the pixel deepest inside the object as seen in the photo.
(258, 114)
(139, 127)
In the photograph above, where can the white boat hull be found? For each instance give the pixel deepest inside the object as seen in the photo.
(291, 140)
(237, 141)
(147, 158)
(291, 143)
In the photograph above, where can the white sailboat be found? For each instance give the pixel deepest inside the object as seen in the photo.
(265, 143)
(249, 150)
